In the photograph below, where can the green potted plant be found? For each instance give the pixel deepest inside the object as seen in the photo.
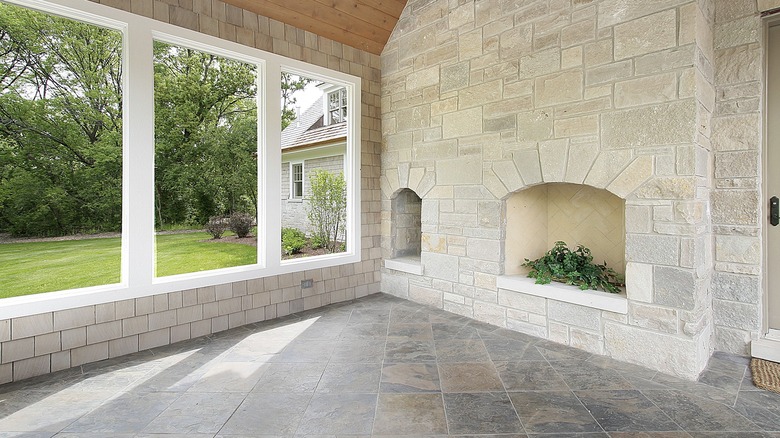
(574, 267)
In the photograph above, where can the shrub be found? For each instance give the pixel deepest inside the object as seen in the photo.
(216, 226)
(327, 208)
(293, 240)
(241, 223)
(573, 267)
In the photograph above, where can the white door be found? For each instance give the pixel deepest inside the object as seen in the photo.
(772, 195)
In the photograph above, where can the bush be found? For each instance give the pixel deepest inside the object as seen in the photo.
(216, 226)
(573, 267)
(293, 240)
(327, 208)
(241, 223)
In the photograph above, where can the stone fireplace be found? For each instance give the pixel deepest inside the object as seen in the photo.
(488, 110)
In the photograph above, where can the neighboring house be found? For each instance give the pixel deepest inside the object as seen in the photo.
(316, 139)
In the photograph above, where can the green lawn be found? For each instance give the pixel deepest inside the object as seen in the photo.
(35, 267)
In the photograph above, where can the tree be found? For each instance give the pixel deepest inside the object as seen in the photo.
(290, 84)
(327, 207)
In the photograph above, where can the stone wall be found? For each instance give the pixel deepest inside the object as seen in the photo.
(737, 196)
(482, 99)
(407, 224)
(53, 341)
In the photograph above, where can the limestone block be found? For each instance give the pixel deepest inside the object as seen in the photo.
(581, 157)
(516, 42)
(527, 163)
(521, 301)
(740, 132)
(653, 249)
(668, 188)
(743, 316)
(435, 150)
(738, 249)
(558, 332)
(655, 318)
(639, 282)
(490, 313)
(688, 14)
(441, 266)
(508, 174)
(739, 164)
(526, 327)
(552, 157)
(612, 12)
(674, 287)
(470, 45)
(577, 126)
(598, 53)
(417, 117)
(737, 32)
(458, 171)
(427, 296)
(647, 34)
(504, 123)
(639, 219)
(639, 171)
(590, 342)
(607, 166)
(423, 78)
(768, 5)
(540, 63)
(483, 249)
(667, 353)
(736, 207)
(572, 314)
(462, 123)
(490, 214)
(662, 124)
(651, 89)
(571, 57)
(732, 341)
(461, 15)
(493, 184)
(665, 60)
(608, 73)
(558, 88)
(416, 42)
(738, 64)
(477, 95)
(740, 288)
(534, 126)
(578, 33)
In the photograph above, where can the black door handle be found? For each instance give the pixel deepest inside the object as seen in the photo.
(774, 210)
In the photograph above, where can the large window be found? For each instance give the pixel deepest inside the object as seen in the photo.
(125, 172)
(337, 106)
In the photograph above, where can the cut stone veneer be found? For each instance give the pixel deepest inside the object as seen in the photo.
(613, 94)
(53, 341)
(406, 227)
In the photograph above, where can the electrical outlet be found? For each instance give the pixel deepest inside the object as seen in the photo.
(305, 284)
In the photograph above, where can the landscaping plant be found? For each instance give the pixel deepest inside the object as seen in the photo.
(216, 226)
(241, 224)
(327, 208)
(293, 240)
(573, 267)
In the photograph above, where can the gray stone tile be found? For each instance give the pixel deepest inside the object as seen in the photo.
(584, 375)
(410, 377)
(51, 413)
(625, 411)
(553, 412)
(339, 414)
(760, 407)
(503, 349)
(128, 413)
(359, 351)
(350, 377)
(553, 351)
(378, 315)
(412, 331)
(290, 377)
(230, 377)
(196, 413)
(31, 434)
(696, 388)
(726, 382)
(453, 330)
(529, 376)
(323, 330)
(673, 434)
(267, 413)
(695, 414)
(403, 350)
(307, 350)
(364, 330)
(461, 350)
(469, 377)
(410, 414)
(481, 413)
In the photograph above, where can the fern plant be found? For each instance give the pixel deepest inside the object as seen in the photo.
(574, 267)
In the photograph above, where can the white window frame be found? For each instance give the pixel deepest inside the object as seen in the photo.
(292, 180)
(329, 110)
(138, 238)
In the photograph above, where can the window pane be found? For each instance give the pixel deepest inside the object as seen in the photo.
(315, 143)
(206, 190)
(60, 153)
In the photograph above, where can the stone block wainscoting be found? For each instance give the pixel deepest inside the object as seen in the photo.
(483, 99)
(48, 342)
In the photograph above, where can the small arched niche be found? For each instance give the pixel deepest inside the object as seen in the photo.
(539, 216)
(406, 230)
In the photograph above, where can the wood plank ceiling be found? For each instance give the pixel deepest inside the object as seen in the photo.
(363, 24)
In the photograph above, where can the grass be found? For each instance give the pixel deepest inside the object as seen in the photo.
(36, 267)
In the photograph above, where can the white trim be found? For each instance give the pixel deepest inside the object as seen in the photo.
(408, 264)
(138, 238)
(565, 293)
(292, 180)
(766, 348)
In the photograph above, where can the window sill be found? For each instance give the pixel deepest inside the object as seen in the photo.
(408, 264)
(616, 303)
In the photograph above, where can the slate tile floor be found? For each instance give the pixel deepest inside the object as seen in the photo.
(380, 366)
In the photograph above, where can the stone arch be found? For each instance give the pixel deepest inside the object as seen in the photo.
(406, 223)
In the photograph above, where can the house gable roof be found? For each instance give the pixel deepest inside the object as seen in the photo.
(308, 129)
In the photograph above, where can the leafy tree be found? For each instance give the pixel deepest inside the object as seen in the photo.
(290, 84)
(327, 207)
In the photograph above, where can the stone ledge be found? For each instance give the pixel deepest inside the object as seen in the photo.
(568, 294)
(408, 264)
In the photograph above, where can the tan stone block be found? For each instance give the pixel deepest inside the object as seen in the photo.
(665, 60)
(534, 126)
(738, 249)
(423, 78)
(558, 332)
(584, 340)
(571, 57)
(527, 162)
(737, 32)
(578, 33)
(462, 123)
(470, 45)
(655, 318)
(478, 95)
(768, 5)
(458, 171)
(598, 53)
(540, 63)
(508, 174)
(27, 326)
(738, 64)
(639, 171)
(740, 132)
(558, 88)
(577, 126)
(516, 42)
(647, 34)
(662, 124)
(735, 207)
(646, 90)
(552, 157)
(581, 157)
(607, 166)
(668, 188)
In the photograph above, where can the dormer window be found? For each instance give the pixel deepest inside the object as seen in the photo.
(337, 106)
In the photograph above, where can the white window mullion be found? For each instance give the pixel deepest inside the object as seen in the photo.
(271, 175)
(138, 173)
